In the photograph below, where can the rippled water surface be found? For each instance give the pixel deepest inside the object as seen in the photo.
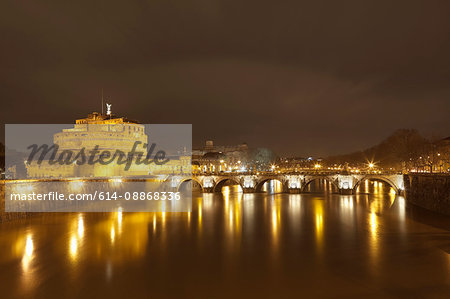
(234, 245)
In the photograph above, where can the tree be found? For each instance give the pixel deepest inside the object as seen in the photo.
(262, 158)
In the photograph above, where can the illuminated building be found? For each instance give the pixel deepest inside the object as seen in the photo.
(105, 134)
(218, 158)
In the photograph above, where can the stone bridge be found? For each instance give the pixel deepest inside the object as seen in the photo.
(291, 183)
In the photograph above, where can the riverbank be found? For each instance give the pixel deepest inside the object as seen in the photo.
(429, 191)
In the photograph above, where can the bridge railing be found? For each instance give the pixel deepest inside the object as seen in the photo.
(304, 172)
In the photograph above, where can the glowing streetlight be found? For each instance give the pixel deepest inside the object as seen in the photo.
(371, 165)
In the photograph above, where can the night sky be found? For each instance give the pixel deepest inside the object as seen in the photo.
(300, 77)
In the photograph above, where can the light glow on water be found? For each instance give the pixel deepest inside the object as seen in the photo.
(113, 234)
(80, 226)
(28, 253)
(73, 247)
(288, 236)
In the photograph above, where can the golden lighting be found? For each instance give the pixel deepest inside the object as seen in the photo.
(318, 210)
(275, 225)
(76, 236)
(200, 214)
(73, 248)
(374, 241)
(119, 218)
(274, 221)
(373, 224)
(29, 246)
(347, 202)
(319, 222)
(113, 234)
(28, 254)
(80, 226)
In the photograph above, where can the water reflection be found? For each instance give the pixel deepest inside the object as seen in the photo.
(199, 215)
(272, 186)
(318, 212)
(287, 238)
(76, 237)
(275, 207)
(373, 243)
(28, 253)
(295, 214)
(28, 267)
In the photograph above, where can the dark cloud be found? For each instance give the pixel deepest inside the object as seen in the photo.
(306, 77)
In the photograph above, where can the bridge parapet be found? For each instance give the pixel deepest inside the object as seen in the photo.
(292, 183)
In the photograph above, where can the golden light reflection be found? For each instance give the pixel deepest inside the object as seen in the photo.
(318, 211)
(76, 236)
(28, 253)
(319, 224)
(113, 234)
(25, 245)
(189, 218)
(295, 211)
(80, 226)
(238, 215)
(275, 220)
(199, 214)
(402, 212)
(392, 196)
(233, 214)
(274, 215)
(376, 205)
(106, 239)
(226, 191)
(347, 202)
(373, 243)
(373, 224)
(73, 247)
(119, 216)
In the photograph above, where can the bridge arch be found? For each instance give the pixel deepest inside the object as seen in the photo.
(189, 180)
(260, 183)
(378, 178)
(309, 180)
(220, 183)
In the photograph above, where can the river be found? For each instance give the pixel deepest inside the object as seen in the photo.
(234, 245)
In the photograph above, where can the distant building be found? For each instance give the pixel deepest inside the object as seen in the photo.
(220, 158)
